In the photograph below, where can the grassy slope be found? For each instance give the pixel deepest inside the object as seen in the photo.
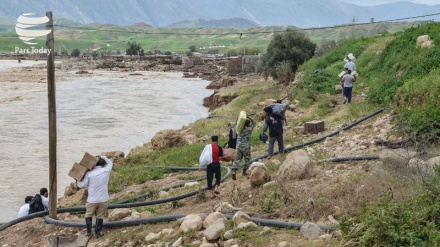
(369, 51)
(113, 38)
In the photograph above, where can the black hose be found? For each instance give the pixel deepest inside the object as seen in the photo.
(146, 195)
(322, 137)
(339, 159)
(112, 206)
(166, 218)
(82, 209)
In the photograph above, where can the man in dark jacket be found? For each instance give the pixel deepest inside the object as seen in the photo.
(275, 124)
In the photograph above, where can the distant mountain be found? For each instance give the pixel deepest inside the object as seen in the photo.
(227, 23)
(162, 13)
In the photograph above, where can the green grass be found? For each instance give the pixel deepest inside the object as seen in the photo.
(177, 40)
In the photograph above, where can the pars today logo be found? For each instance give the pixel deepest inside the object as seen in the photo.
(27, 29)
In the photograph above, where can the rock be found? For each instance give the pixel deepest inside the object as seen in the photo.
(114, 154)
(191, 184)
(207, 245)
(424, 41)
(119, 213)
(163, 194)
(152, 236)
(325, 237)
(396, 157)
(285, 244)
(191, 222)
(225, 208)
(178, 242)
(310, 230)
(229, 234)
(213, 218)
(266, 230)
(80, 197)
(247, 225)
(297, 165)
(229, 243)
(71, 189)
(167, 139)
(433, 161)
(259, 175)
(332, 220)
(421, 167)
(241, 217)
(167, 231)
(215, 230)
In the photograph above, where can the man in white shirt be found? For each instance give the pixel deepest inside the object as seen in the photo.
(97, 201)
(45, 198)
(24, 210)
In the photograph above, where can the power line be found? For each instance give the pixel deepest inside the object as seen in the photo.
(249, 33)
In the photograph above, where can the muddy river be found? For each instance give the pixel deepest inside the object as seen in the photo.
(104, 112)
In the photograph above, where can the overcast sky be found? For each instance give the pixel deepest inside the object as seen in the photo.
(377, 2)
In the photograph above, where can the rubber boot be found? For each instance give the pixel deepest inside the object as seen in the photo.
(98, 228)
(244, 173)
(89, 226)
(234, 177)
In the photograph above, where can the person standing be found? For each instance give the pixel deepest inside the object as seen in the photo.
(232, 142)
(350, 65)
(214, 167)
(243, 147)
(348, 80)
(24, 210)
(275, 124)
(97, 181)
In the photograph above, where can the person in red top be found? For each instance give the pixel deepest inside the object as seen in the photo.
(214, 168)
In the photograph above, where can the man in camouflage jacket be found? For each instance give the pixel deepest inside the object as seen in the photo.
(243, 147)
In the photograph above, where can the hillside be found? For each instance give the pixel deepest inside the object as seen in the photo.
(380, 202)
(112, 38)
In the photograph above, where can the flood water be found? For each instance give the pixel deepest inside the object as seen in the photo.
(94, 115)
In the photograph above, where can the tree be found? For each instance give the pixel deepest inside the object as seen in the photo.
(291, 48)
(192, 48)
(134, 49)
(75, 53)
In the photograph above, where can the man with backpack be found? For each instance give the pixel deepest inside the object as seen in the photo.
(275, 124)
(40, 202)
(97, 181)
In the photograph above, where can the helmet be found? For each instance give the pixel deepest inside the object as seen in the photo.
(263, 137)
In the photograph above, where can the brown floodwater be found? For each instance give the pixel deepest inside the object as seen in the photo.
(94, 114)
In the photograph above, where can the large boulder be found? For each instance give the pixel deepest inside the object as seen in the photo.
(310, 230)
(79, 198)
(424, 41)
(189, 136)
(297, 165)
(167, 139)
(191, 222)
(259, 174)
(397, 157)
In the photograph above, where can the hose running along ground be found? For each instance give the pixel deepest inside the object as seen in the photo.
(322, 137)
(116, 205)
(128, 205)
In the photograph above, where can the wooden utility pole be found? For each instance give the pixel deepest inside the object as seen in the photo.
(352, 21)
(52, 118)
